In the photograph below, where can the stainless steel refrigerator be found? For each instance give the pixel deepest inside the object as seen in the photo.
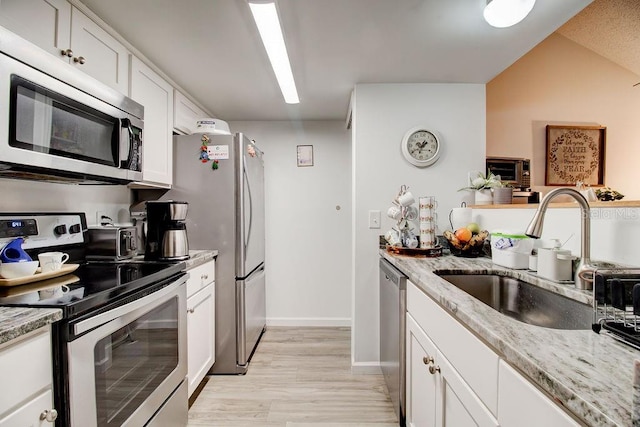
(226, 212)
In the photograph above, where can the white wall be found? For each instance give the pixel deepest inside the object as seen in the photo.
(26, 196)
(308, 239)
(382, 115)
(615, 231)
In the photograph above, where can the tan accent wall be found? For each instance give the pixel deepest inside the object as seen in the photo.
(561, 82)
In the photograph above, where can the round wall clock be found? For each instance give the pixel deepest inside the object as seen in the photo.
(421, 147)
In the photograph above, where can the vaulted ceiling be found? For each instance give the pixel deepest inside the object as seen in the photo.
(611, 28)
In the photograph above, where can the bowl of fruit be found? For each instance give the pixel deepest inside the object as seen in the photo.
(466, 241)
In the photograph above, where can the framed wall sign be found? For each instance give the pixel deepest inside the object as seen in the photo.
(305, 155)
(575, 153)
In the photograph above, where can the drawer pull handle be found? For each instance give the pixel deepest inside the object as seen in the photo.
(191, 310)
(433, 369)
(427, 359)
(49, 415)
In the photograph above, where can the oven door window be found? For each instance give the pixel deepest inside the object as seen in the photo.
(132, 361)
(47, 122)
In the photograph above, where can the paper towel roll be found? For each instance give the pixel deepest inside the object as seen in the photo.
(460, 217)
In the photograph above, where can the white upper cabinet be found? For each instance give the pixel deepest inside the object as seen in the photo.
(45, 23)
(185, 114)
(156, 95)
(97, 53)
(63, 30)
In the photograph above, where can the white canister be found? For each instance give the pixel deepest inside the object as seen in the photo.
(555, 264)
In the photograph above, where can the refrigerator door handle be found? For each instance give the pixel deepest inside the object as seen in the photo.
(246, 178)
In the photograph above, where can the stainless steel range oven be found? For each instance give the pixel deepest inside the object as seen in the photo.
(128, 359)
(120, 350)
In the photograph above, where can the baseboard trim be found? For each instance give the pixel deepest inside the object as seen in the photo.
(309, 321)
(366, 368)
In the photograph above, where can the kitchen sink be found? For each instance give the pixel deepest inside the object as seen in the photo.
(524, 302)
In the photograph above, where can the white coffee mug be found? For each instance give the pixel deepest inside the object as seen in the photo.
(393, 238)
(394, 212)
(410, 240)
(406, 199)
(55, 292)
(52, 261)
(428, 240)
(428, 202)
(411, 213)
(428, 216)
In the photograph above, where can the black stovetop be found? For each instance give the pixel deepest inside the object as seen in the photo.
(92, 286)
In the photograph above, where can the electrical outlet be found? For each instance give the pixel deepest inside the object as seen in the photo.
(374, 219)
(99, 217)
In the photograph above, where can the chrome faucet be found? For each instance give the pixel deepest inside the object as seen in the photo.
(582, 273)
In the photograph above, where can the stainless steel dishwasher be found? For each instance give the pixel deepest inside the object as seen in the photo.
(393, 308)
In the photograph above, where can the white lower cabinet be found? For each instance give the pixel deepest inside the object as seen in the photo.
(200, 323)
(456, 380)
(521, 404)
(25, 369)
(436, 394)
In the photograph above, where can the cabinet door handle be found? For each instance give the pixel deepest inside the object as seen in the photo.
(66, 52)
(204, 276)
(191, 310)
(433, 369)
(427, 359)
(49, 415)
(79, 59)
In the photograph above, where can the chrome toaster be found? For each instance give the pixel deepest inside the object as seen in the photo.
(111, 242)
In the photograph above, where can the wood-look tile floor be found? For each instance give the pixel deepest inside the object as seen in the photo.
(298, 377)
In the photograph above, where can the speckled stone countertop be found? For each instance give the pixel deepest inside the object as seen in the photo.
(591, 375)
(199, 257)
(17, 321)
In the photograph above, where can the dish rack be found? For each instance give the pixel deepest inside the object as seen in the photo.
(616, 303)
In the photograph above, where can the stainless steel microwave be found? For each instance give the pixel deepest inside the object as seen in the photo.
(59, 124)
(513, 171)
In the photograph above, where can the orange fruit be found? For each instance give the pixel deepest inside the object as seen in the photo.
(463, 234)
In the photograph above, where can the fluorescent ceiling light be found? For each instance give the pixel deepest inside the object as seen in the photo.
(266, 16)
(505, 13)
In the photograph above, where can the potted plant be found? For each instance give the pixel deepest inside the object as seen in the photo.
(482, 185)
(503, 194)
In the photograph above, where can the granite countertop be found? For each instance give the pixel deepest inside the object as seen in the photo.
(198, 257)
(18, 321)
(591, 375)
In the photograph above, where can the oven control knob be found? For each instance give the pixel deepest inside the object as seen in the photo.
(74, 229)
(49, 415)
(59, 230)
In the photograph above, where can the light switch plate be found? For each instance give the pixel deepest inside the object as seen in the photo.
(374, 219)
